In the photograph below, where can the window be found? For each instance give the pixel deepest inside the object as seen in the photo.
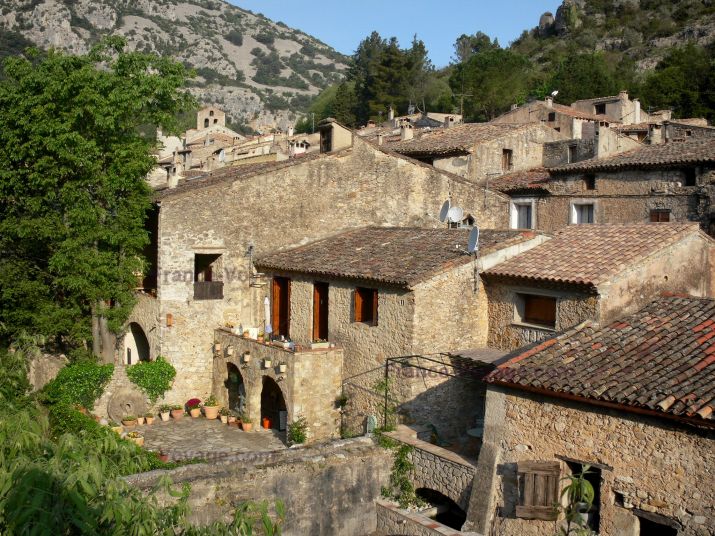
(690, 177)
(326, 140)
(593, 476)
(366, 306)
(523, 216)
(536, 309)
(552, 116)
(211, 113)
(589, 181)
(656, 525)
(660, 215)
(506, 159)
(206, 122)
(320, 311)
(600, 109)
(557, 129)
(281, 306)
(538, 490)
(572, 154)
(207, 277)
(215, 121)
(582, 213)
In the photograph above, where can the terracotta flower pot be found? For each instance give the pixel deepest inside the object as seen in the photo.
(211, 412)
(140, 420)
(231, 419)
(138, 440)
(177, 413)
(224, 419)
(165, 415)
(247, 426)
(163, 457)
(195, 413)
(129, 423)
(117, 430)
(150, 420)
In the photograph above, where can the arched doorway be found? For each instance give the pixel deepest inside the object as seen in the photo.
(445, 510)
(273, 405)
(136, 345)
(236, 389)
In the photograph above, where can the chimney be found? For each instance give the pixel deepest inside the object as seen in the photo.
(379, 139)
(636, 111)
(448, 121)
(406, 132)
(290, 131)
(390, 114)
(549, 101)
(514, 106)
(623, 95)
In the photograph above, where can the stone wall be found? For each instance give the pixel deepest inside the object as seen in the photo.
(556, 153)
(654, 465)
(310, 385)
(146, 315)
(302, 202)
(42, 369)
(392, 520)
(327, 489)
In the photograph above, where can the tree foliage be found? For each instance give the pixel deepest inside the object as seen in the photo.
(152, 377)
(73, 199)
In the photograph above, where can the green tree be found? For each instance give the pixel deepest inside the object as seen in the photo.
(73, 198)
(344, 105)
(584, 76)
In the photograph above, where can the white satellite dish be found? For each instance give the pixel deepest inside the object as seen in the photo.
(444, 211)
(473, 242)
(554, 93)
(455, 214)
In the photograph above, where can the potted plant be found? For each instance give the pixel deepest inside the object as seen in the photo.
(193, 406)
(163, 456)
(580, 496)
(149, 417)
(319, 344)
(129, 420)
(116, 428)
(260, 337)
(211, 407)
(136, 437)
(246, 423)
(232, 418)
(177, 412)
(224, 414)
(165, 412)
(140, 419)
(266, 423)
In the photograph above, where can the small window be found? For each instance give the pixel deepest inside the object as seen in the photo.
(538, 310)
(523, 216)
(211, 113)
(557, 129)
(206, 122)
(589, 181)
(656, 525)
(660, 215)
(215, 121)
(538, 490)
(582, 213)
(688, 133)
(207, 277)
(593, 476)
(600, 109)
(326, 140)
(507, 159)
(690, 177)
(552, 116)
(366, 305)
(572, 154)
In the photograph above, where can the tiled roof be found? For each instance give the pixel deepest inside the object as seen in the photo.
(691, 151)
(660, 359)
(634, 127)
(590, 254)
(400, 256)
(457, 139)
(578, 114)
(532, 179)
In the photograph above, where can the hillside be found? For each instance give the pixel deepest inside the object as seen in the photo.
(261, 72)
(637, 31)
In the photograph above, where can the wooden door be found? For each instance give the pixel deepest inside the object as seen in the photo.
(281, 306)
(320, 311)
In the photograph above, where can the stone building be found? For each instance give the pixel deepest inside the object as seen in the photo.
(618, 108)
(384, 292)
(209, 116)
(478, 151)
(594, 272)
(210, 229)
(669, 182)
(633, 399)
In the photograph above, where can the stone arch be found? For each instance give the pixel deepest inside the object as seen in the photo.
(446, 511)
(136, 345)
(236, 396)
(273, 402)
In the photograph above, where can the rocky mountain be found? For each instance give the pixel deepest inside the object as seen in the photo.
(640, 31)
(259, 71)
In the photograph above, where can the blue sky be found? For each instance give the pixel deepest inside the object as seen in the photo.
(343, 24)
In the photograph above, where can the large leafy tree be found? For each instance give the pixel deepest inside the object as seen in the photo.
(73, 199)
(584, 76)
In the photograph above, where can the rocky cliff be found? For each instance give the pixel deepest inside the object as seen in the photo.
(261, 72)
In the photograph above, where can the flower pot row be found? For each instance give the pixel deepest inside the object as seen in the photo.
(131, 420)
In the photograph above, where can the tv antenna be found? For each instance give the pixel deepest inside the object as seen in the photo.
(473, 249)
(555, 92)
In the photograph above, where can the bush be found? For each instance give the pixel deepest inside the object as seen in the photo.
(78, 384)
(265, 38)
(235, 37)
(298, 431)
(152, 377)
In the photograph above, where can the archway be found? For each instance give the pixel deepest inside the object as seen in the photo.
(136, 345)
(273, 405)
(236, 389)
(445, 510)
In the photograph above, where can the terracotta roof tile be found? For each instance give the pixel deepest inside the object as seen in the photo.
(664, 363)
(531, 179)
(691, 151)
(401, 256)
(590, 254)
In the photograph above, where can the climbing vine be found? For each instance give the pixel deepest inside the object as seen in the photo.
(78, 384)
(152, 377)
(401, 488)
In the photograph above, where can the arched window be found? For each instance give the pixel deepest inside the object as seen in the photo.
(206, 122)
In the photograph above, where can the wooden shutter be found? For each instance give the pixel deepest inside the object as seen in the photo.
(540, 495)
(374, 307)
(540, 310)
(358, 305)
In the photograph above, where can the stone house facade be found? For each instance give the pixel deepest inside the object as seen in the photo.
(479, 151)
(211, 228)
(641, 415)
(386, 292)
(594, 272)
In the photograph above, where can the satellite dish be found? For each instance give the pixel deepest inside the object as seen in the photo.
(554, 93)
(473, 242)
(444, 211)
(455, 214)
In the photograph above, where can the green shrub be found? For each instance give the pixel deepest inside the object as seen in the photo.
(298, 431)
(78, 384)
(152, 377)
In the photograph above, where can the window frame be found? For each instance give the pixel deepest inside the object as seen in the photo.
(514, 212)
(369, 296)
(658, 213)
(574, 208)
(520, 310)
(507, 160)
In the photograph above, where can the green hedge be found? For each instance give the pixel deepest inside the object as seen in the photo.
(152, 377)
(78, 384)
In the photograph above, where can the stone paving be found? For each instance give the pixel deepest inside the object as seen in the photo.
(206, 439)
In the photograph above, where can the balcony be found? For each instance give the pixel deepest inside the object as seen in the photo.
(208, 290)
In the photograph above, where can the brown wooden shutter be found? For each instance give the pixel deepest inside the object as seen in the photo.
(374, 307)
(358, 305)
(541, 490)
(540, 310)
